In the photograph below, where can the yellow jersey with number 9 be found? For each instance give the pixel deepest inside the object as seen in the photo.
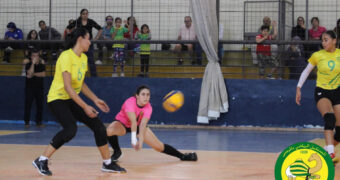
(328, 65)
(76, 66)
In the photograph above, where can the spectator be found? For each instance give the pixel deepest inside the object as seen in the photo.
(337, 32)
(315, 33)
(144, 50)
(118, 55)
(34, 86)
(85, 22)
(131, 47)
(267, 22)
(32, 35)
(300, 29)
(69, 28)
(186, 32)
(263, 51)
(296, 59)
(44, 35)
(106, 35)
(13, 33)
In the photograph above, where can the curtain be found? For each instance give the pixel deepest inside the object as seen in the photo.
(213, 97)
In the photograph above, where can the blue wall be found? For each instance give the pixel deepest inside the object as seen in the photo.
(269, 103)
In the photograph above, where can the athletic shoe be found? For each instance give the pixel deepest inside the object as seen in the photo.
(113, 167)
(98, 62)
(42, 167)
(334, 158)
(116, 155)
(189, 157)
(122, 74)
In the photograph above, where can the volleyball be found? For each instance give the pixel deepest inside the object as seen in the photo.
(173, 101)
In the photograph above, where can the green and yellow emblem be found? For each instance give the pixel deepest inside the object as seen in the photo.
(304, 161)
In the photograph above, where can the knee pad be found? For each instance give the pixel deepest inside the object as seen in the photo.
(100, 135)
(337, 133)
(330, 120)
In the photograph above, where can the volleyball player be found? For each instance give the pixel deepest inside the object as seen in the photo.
(68, 107)
(134, 117)
(327, 91)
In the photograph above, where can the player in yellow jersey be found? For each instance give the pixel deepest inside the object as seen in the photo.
(68, 107)
(327, 91)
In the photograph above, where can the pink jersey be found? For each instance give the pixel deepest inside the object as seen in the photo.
(130, 105)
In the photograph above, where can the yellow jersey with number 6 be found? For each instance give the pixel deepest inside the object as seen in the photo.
(328, 65)
(76, 66)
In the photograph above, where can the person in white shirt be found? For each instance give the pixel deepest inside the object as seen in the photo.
(186, 32)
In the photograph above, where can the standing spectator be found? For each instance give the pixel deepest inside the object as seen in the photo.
(296, 59)
(85, 22)
(69, 28)
(315, 33)
(118, 55)
(337, 32)
(34, 86)
(186, 32)
(32, 36)
(131, 47)
(106, 35)
(144, 50)
(300, 29)
(13, 33)
(263, 51)
(267, 22)
(44, 35)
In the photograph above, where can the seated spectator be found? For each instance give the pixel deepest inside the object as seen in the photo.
(106, 35)
(132, 48)
(13, 33)
(263, 51)
(296, 59)
(337, 32)
(69, 28)
(315, 33)
(186, 32)
(300, 29)
(34, 86)
(44, 35)
(32, 35)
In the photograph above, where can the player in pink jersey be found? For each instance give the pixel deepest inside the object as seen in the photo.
(134, 117)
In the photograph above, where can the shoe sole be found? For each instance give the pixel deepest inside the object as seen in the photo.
(112, 171)
(35, 166)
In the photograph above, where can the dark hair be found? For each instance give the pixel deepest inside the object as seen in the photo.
(70, 21)
(134, 24)
(81, 11)
(330, 33)
(11, 25)
(32, 51)
(118, 18)
(109, 16)
(140, 88)
(30, 34)
(71, 39)
(144, 25)
(42, 21)
(316, 18)
(301, 18)
(263, 27)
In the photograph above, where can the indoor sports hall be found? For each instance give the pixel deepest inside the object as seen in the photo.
(239, 84)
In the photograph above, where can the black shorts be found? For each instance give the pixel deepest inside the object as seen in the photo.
(128, 130)
(333, 95)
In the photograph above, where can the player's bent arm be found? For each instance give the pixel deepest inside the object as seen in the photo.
(88, 93)
(142, 129)
(305, 74)
(70, 91)
(133, 121)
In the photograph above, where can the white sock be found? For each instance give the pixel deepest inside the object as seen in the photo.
(107, 161)
(330, 149)
(43, 158)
